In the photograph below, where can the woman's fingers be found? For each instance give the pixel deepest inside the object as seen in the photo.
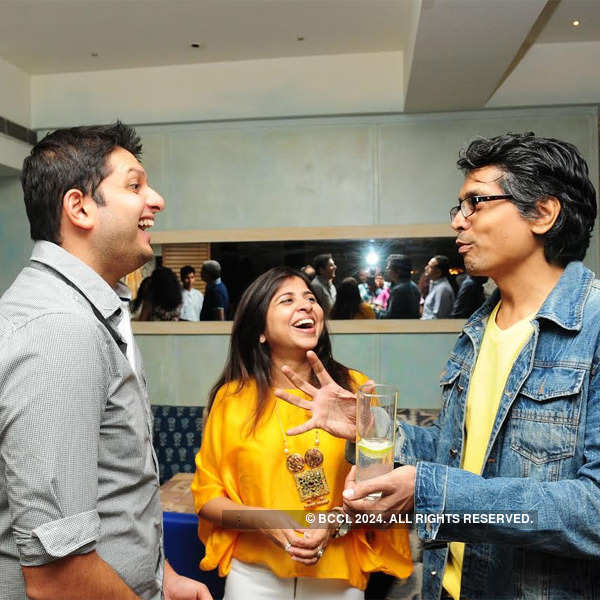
(306, 561)
(317, 366)
(302, 428)
(293, 399)
(298, 382)
(306, 553)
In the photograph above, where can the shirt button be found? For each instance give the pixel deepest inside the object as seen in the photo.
(453, 452)
(433, 573)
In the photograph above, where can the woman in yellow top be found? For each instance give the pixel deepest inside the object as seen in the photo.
(247, 462)
(349, 304)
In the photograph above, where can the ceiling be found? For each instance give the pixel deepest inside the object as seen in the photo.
(459, 54)
(559, 28)
(54, 36)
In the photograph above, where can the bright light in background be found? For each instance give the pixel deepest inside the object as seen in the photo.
(372, 258)
(576, 23)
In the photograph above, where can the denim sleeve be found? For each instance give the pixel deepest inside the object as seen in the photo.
(415, 443)
(567, 511)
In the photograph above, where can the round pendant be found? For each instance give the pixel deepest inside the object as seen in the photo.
(294, 462)
(313, 457)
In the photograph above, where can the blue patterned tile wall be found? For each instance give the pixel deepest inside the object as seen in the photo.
(177, 438)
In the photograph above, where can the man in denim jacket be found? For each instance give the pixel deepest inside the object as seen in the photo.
(519, 429)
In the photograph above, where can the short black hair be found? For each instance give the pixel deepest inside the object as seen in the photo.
(164, 290)
(443, 264)
(320, 261)
(185, 271)
(73, 158)
(535, 168)
(401, 264)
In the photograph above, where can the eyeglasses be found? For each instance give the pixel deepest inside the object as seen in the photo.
(468, 205)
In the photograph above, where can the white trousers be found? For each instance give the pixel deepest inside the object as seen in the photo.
(255, 582)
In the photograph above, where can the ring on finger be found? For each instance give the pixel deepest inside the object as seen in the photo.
(287, 547)
(319, 552)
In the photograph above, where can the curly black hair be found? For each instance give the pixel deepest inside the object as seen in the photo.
(535, 168)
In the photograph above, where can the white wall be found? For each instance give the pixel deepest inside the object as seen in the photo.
(391, 169)
(312, 85)
(12, 153)
(14, 94)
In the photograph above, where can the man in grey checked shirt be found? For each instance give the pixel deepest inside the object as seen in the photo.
(80, 514)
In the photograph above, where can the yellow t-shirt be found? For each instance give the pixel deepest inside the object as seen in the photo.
(251, 470)
(499, 350)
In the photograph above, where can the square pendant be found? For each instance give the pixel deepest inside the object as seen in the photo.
(311, 484)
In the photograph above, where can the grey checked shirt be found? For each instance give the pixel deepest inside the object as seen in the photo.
(77, 467)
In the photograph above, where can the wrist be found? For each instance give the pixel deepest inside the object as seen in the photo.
(169, 575)
(342, 525)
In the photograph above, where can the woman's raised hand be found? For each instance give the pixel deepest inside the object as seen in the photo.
(333, 408)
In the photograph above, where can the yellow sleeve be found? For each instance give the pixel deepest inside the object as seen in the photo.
(214, 479)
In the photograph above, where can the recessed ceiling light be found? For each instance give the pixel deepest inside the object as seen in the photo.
(576, 23)
(299, 38)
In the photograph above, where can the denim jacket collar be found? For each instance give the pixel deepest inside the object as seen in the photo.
(563, 306)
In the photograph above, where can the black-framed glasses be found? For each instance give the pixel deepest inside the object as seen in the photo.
(468, 205)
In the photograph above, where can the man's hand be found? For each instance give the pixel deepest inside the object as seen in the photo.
(177, 587)
(397, 492)
(333, 408)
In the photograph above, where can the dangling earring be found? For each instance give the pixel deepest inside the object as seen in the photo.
(262, 339)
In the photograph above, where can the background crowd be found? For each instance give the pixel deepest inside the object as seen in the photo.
(394, 292)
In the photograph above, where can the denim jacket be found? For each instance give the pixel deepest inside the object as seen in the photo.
(543, 458)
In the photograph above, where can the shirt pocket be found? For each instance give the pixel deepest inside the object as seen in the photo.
(449, 379)
(545, 416)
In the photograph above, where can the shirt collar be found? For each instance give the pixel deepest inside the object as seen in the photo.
(83, 277)
(563, 305)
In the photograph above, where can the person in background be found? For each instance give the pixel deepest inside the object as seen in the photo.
(367, 288)
(469, 298)
(248, 462)
(164, 300)
(216, 296)
(382, 293)
(423, 285)
(191, 297)
(309, 271)
(349, 304)
(404, 296)
(137, 304)
(364, 276)
(80, 513)
(519, 430)
(322, 284)
(442, 289)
